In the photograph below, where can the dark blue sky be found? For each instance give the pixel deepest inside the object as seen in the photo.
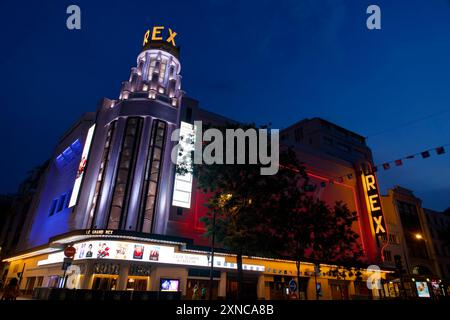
(264, 61)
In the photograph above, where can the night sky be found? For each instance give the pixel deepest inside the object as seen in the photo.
(264, 61)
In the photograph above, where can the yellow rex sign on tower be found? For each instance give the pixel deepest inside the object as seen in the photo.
(158, 33)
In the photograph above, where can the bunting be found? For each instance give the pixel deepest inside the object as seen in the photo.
(386, 166)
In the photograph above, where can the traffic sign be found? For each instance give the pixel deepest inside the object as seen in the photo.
(69, 252)
(292, 286)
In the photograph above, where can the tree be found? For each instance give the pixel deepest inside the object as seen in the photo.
(333, 239)
(320, 233)
(273, 215)
(243, 204)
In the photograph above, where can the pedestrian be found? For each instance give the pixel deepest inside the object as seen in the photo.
(11, 290)
(203, 293)
(195, 294)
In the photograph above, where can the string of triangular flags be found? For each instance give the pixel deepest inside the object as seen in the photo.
(399, 162)
(387, 165)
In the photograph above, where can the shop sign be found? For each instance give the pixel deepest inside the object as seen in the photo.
(159, 33)
(99, 232)
(373, 202)
(119, 250)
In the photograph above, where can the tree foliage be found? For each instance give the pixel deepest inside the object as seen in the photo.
(273, 215)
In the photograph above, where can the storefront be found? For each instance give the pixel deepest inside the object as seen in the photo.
(339, 289)
(198, 284)
(128, 263)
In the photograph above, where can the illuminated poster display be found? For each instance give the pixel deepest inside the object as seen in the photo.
(169, 285)
(119, 250)
(103, 250)
(81, 167)
(373, 202)
(422, 289)
(138, 252)
(182, 189)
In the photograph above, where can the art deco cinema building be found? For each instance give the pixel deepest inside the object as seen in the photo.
(111, 192)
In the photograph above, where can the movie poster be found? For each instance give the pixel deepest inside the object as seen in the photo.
(437, 291)
(103, 250)
(81, 251)
(154, 254)
(422, 289)
(121, 251)
(169, 285)
(138, 252)
(89, 252)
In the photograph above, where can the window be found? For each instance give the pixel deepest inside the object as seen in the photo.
(151, 178)
(158, 67)
(125, 170)
(341, 132)
(103, 165)
(326, 125)
(393, 238)
(343, 147)
(69, 154)
(62, 202)
(328, 141)
(53, 207)
(387, 255)
(162, 71)
(360, 153)
(298, 134)
(411, 223)
(357, 139)
(152, 68)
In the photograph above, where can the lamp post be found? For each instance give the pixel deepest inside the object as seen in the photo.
(211, 270)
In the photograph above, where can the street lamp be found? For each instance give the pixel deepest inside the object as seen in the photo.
(418, 236)
(211, 270)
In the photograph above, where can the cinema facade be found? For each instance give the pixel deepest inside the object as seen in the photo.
(111, 192)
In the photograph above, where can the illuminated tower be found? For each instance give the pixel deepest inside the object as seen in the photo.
(129, 175)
